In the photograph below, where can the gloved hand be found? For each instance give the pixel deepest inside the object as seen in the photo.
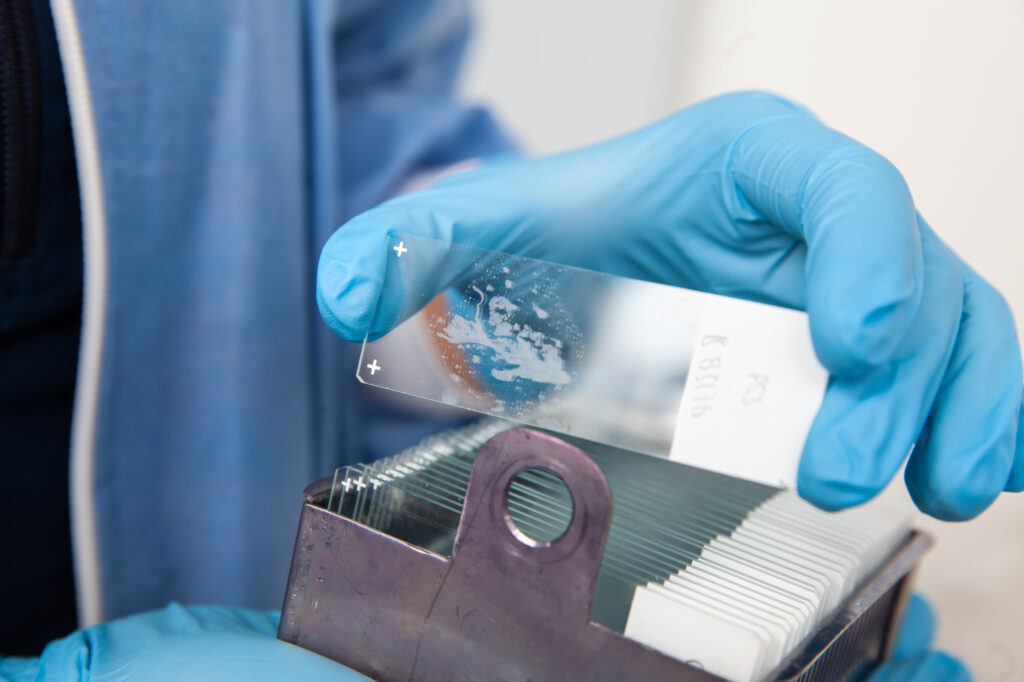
(911, 660)
(749, 195)
(178, 643)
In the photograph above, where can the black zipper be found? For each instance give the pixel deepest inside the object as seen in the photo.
(19, 129)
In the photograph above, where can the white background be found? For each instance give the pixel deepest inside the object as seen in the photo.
(937, 87)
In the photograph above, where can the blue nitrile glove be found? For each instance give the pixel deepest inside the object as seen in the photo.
(750, 195)
(178, 643)
(911, 660)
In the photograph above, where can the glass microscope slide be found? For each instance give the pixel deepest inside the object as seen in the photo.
(698, 378)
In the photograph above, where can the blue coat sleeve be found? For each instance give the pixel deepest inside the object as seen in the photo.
(396, 67)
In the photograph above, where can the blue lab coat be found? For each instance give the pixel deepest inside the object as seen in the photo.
(219, 143)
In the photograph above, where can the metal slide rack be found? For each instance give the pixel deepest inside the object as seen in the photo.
(502, 606)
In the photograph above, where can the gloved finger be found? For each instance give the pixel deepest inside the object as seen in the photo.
(1016, 482)
(352, 273)
(933, 667)
(916, 630)
(853, 209)
(963, 457)
(867, 425)
(348, 283)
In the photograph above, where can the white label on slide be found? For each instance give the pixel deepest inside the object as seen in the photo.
(753, 387)
(715, 642)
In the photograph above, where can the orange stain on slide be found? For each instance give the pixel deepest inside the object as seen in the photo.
(454, 360)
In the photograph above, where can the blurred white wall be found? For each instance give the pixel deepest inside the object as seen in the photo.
(937, 87)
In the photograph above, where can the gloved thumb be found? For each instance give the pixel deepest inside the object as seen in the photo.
(360, 287)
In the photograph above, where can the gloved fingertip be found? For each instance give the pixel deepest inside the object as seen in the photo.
(833, 474)
(916, 630)
(953, 486)
(1015, 483)
(346, 300)
(960, 507)
(830, 494)
(349, 312)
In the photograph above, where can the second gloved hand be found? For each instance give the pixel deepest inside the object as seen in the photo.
(912, 658)
(749, 195)
(178, 643)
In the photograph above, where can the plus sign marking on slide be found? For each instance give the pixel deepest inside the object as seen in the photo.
(400, 249)
(373, 367)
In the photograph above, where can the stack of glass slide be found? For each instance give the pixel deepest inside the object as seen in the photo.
(728, 574)
(711, 556)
